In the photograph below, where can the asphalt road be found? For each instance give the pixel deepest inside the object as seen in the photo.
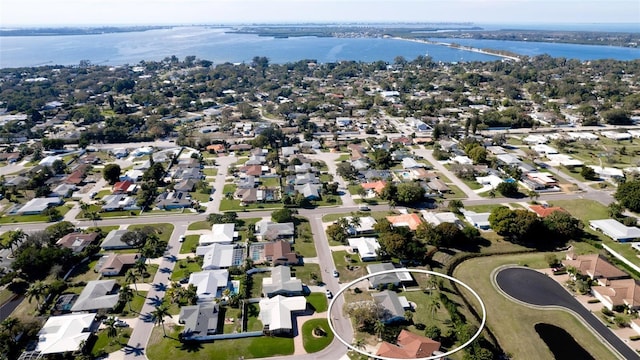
(538, 289)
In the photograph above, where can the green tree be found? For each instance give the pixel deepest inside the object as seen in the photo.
(410, 193)
(478, 154)
(433, 305)
(126, 295)
(519, 226)
(337, 233)
(111, 327)
(564, 225)
(111, 173)
(381, 159)
(616, 117)
(588, 173)
(158, 315)
(282, 215)
(36, 291)
(433, 332)
(508, 189)
(131, 278)
(628, 194)
(379, 328)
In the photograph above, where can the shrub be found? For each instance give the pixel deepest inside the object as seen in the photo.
(606, 311)
(593, 301)
(634, 337)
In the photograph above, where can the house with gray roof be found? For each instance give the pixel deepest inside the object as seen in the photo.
(38, 205)
(309, 191)
(281, 283)
(199, 320)
(63, 190)
(119, 202)
(384, 279)
(98, 294)
(113, 240)
(268, 230)
(393, 308)
(173, 200)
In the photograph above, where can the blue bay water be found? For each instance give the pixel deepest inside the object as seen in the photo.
(216, 45)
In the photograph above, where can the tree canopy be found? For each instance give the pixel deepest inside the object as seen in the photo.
(628, 194)
(111, 173)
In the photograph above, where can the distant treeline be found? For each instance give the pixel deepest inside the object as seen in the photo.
(55, 31)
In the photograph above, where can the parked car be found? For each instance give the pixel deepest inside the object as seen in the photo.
(336, 273)
(184, 280)
(182, 238)
(329, 294)
(363, 208)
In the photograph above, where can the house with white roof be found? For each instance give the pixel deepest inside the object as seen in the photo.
(477, 220)
(49, 160)
(535, 139)
(276, 313)
(220, 233)
(582, 136)
(489, 180)
(607, 172)
(463, 160)
(65, 333)
(410, 163)
(395, 278)
(634, 133)
(219, 256)
(209, 284)
(614, 135)
(543, 149)
(564, 160)
(435, 218)
(615, 230)
(366, 225)
(366, 247)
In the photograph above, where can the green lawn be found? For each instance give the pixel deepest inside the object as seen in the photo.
(199, 225)
(471, 184)
(210, 171)
(105, 345)
(313, 343)
(234, 205)
(270, 181)
(511, 322)
(242, 160)
(318, 301)
(375, 214)
(161, 348)
(201, 196)
(190, 243)
(137, 303)
(356, 267)
(304, 272)
(304, 244)
(455, 193)
(184, 268)
(328, 200)
(482, 208)
(583, 209)
(343, 157)
(354, 189)
(163, 230)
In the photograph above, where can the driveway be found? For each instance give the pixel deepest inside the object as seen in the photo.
(532, 287)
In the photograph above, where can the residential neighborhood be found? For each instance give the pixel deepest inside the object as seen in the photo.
(182, 214)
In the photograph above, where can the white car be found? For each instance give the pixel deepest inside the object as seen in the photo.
(329, 294)
(182, 238)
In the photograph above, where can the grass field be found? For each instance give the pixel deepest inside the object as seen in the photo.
(161, 348)
(184, 268)
(104, 344)
(304, 244)
(190, 243)
(199, 225)
(311, 342)
(511, 322)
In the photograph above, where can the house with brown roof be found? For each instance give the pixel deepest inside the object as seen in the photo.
(438, 185)
(252, 170)
(116, 263)
(409, 346)
(122, 187)
(544, 211)
(280, 253)
(240, 147)
(77, 176)
(216, 148)
(617, 293)
(595, 266)
(410, 220)
(402, 140)
(77, 241)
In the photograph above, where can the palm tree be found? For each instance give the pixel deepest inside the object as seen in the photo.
(15, 238)
(158, 316)
(343, 223)
(433, 306)
(359, 344)
(126, 295)
(112, 329)
(379, 327)
(492, 193)
(355, 222)
(533, 195)
(141, 266)
(37, 291)
(191, 294)
(131, 278)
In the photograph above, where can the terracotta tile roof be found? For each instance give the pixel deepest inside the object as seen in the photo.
(544, 211)
(216, 147)
(377, 186)
(121, 186)
(595, 266)
(410, 346)
(620, 292)
(410, 220)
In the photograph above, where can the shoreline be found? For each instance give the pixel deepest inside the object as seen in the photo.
(465, 48)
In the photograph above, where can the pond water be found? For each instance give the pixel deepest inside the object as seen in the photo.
(561, 343)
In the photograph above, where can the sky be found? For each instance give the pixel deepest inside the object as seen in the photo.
(147, 12)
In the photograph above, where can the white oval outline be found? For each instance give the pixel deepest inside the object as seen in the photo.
(433, 357)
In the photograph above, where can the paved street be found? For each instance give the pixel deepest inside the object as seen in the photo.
(428, 155)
